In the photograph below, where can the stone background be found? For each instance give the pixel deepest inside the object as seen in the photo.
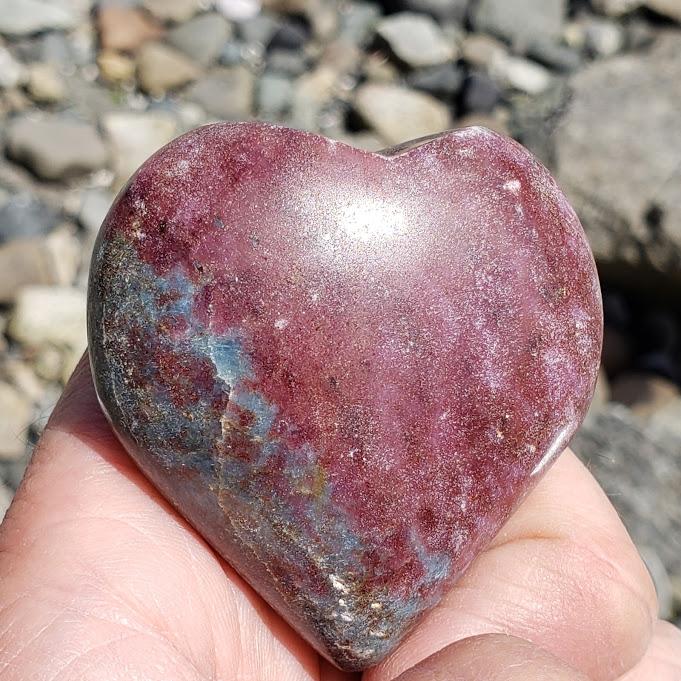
(89, 89)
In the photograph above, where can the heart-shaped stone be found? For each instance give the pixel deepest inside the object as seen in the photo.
(345, 369)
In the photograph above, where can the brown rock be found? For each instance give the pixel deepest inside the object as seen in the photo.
(161, 68)
(115, 67)
(125, 28)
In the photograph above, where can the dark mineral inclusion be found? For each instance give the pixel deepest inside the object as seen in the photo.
(345, 369)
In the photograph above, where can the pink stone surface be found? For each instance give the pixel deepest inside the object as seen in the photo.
(345, 369)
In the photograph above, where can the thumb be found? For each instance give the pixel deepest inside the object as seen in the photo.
(492, 657)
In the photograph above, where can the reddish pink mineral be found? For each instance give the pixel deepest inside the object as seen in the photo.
(345, 369)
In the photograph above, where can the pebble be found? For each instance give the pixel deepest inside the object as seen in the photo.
(443, 81)
(521, 21)
(161, 68)
(357, 22)
(226, 93)
(176, 11)
(482, 50)
(23, 378)
(115, 67)
(202, 38)
(399, 114)
(313, 93)
(125, 29)
(24, 216)
(26, 17)
(12, 72)
(94, 206)
(554, 55)
(274, 95)
(45, 85)
(288, 62)
(444, 11)
(415, 39)
(238, 10)
(480, 93)
(134, 137)
(55, 49)
(17, 414)
(521, 74)
(49, 316)
(603, 37)
(56, 148)
(258, 29)
(51, 260)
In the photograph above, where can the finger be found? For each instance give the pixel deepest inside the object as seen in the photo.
(662, 661)
(91, 555)
(562, 574)
(492, 657)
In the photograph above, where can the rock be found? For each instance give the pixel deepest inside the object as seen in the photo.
(480, 93)
(94, 206)
(17, 414)
(521, 74)
(603, 38)
(25, 216)
(640, 470)
(358, 21)
(25, 17)
(115, 67)
(482, 50)
(288, 62)
(667, 8)
(6, 496)
(238, 10)
(398, 114)
(49, 363)
(125, 29)
(415, 39)
(12, 72)
(134, 137)
(442, 81)
(161, 68)
(202, 38)
(300, 309)
(644, 394)
(23, 378)
(177, 11)
(45, 85)
(444, 11)
(56, 148)
(53, 260)
(624, 185)
(554, 55)
(56, 49)
(313, 92)
(616, 8)
(292, 34)
(226, 93)
(259, 29)
(520, 21)
(274, 95)
(49, 315)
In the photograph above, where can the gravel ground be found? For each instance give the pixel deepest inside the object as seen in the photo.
(89, 89)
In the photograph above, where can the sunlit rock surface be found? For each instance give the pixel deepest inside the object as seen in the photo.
(345, 369)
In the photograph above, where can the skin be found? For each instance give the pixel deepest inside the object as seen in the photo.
(101, 579)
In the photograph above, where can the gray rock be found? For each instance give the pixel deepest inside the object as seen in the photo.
(17, 414)
(177, 11)
(25, 17)
(520, 21)
(288, 62)
(55, 49)
(274, 95)
(399, 114)
(202, 38)
(480, 93)
(640, 470)
(25, 216)
(415, 39)
(56, 148)
(94, 206)
(134, 137)
(227, 93)
(556, 56)
(161, 68)
(603, 37)
(442, 81)
(291, 34)
(358, 21)
(259, 29)
(443, 10)
(12, 72)
(616, 156)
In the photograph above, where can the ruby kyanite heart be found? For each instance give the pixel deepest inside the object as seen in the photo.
(345, 369)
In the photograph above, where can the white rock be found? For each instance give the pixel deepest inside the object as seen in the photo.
(134, 137)
(521, 74)
(46, 315)
(12, 72)
(238, 10)
(25, 17)
(416, 39)
(17, 414)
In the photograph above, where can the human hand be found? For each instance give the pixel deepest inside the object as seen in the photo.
(100, 579)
